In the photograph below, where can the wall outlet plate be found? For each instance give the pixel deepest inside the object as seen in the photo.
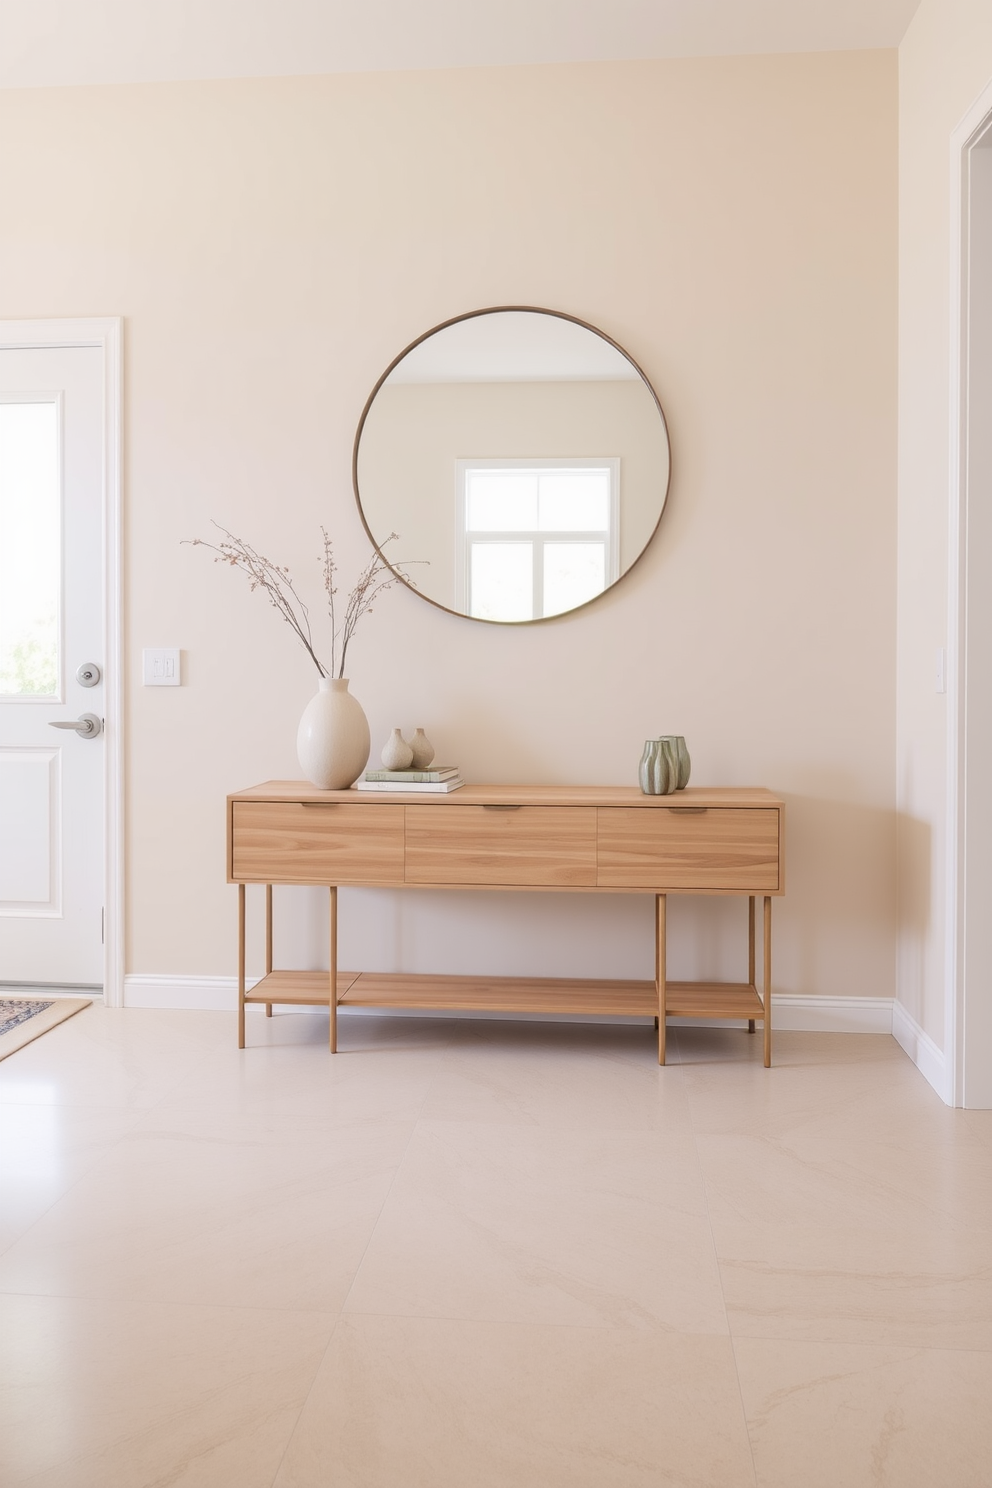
(160, 666)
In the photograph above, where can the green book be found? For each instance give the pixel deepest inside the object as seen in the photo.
(436, 773)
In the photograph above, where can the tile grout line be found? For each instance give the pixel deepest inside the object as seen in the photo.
(341, 1314)
(306, 1399)
(719, 1272)
(385, 1198)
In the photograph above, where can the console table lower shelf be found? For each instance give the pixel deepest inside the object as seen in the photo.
(408, 991)
(399, 990)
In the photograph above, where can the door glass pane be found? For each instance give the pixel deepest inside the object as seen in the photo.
(505, 502)
(502, 581)
(573, 573)
(30, 550)
(575, 501)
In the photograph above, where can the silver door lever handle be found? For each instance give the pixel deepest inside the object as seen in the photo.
(87, 725)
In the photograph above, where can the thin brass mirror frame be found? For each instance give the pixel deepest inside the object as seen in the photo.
(473, 315)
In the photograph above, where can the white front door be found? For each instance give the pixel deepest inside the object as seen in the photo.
(52, 481)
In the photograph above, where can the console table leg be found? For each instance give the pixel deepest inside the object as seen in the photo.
(333, 977)
(660, 974)
(750, 952)
(268, 940)
(767, 993)
(241, 966)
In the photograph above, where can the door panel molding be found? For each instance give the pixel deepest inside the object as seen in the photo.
(31, 780)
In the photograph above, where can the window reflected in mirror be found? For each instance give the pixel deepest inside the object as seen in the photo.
(554, 521)
(521, 457)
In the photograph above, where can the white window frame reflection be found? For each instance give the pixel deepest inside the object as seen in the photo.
(54, 398)
(608, 538)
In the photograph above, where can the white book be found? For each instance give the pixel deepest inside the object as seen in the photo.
(413, 787)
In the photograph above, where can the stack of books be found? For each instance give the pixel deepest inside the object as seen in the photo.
(439, 779)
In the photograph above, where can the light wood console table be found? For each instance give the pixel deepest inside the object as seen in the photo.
(588, 839)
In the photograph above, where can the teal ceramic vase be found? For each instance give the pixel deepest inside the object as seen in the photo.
(659, 768)
(664, 766)
(682, 757)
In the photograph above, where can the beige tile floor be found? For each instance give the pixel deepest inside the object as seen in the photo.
(486, 1255)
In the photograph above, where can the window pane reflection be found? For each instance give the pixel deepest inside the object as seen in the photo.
(30, 550)
(576, 502)
(502, 503)
(573, 574)
(502, 581)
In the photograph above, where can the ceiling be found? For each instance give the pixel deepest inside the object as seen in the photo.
(47, 43)
(515, 346)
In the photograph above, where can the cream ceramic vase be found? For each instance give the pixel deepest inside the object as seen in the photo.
(333, 739)
(397, 754)
(423, 750)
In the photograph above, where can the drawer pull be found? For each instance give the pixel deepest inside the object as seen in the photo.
(514, 806)
(324, 805)
(688, 810)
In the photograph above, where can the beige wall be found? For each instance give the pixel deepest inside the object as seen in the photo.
(944, 63)
(273, 244)
(416, 432)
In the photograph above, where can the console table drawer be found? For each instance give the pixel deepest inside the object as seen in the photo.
(680, 848)
(537, 846)
(288, 842)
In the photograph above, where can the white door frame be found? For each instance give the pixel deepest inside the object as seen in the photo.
(106, 334)
(973, 126)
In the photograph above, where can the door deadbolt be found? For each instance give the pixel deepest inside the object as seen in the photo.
(87, 725)
(89, 674)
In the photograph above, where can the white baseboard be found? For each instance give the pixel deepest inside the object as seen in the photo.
(207, 994)
(922, 1050)
(791, 1014)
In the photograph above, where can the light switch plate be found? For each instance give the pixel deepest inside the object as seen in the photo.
(160, 666)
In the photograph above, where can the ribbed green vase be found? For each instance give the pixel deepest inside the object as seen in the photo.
(665, 765)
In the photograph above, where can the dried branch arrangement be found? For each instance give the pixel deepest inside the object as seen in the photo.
(277, 585)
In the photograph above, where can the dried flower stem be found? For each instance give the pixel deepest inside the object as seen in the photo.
(376, 577)
(270, 577)
(277, 585)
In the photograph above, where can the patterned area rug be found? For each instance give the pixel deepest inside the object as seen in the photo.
(25, 1018)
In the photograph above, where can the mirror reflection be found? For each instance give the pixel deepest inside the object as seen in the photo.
(521, 457)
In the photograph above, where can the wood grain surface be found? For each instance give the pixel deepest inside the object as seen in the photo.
(502, 994)
(713, 1000)
(332, 843)
(549, 846)
(735, 849)
(524, 795)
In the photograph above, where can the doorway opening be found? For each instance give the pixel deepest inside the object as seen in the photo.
(969, 982)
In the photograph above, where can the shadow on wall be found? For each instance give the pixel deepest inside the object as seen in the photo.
(836, 933)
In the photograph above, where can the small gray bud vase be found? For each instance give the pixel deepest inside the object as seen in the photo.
(664, 766)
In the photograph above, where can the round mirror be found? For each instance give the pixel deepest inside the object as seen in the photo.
(516, 461)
